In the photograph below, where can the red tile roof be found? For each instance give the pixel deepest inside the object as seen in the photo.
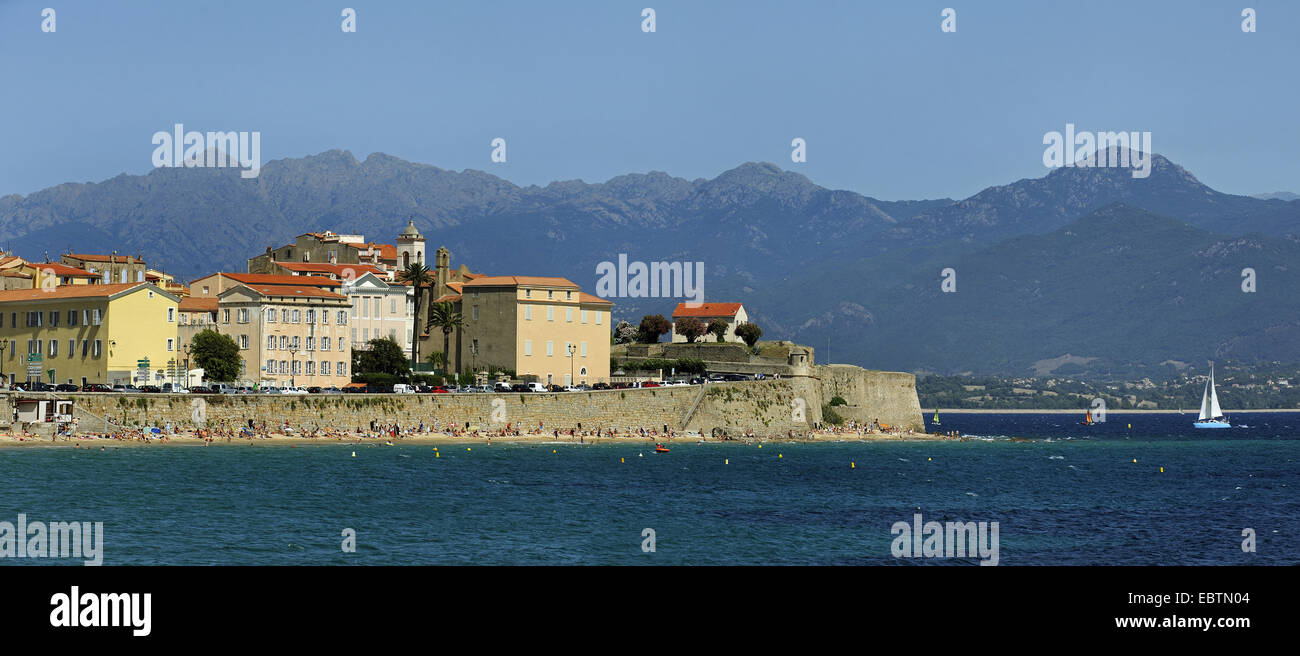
(515, 281)
(292, 290)
(341, 270)
(70, 291)
(197, 304)
(386, 251)
(94, 257)
(584, 297)
(272, 279)
(64, 270)
(449, 298)
(707, 310)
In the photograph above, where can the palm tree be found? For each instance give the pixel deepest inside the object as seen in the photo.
(417, 275)
(444, 315)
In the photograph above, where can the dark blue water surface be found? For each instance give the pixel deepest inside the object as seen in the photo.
(1070, 495)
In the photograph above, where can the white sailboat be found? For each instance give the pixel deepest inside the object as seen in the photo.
(1211, 415)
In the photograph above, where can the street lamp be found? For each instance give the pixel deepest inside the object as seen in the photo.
(293, 362)
(572, 349)
(186, 348)
(3, 343)
(473, 351)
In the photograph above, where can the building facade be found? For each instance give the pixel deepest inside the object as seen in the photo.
(380, 309)
(83, 334)
(733, 313)
(288, 335)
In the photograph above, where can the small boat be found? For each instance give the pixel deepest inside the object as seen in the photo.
(659, 448)
(935, 421)
(1087, 418)
(1211, 415)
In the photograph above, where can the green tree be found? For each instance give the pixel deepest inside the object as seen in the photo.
(717, 328)
(417, 276)
(217, 354)
(444, 315)
(750, 332)
(652, 326)
(436, 359)
(382, 355)
(690, 328)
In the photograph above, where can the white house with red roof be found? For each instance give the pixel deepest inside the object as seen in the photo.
(733, 313)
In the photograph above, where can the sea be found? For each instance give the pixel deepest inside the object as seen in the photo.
(1139, 489)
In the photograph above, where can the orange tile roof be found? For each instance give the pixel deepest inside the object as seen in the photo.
(455, 286)
(298, 291)
(584, 297)
(197, 304)
(94, 257)
(70, 291)
(707, 310)
(10, 259)
(340, 270)
(386, 251)
(449, 298)
(272, 279)
(15, 274)
(515, 281)
(64, 270)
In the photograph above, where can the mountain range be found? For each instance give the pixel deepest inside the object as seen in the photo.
(1086, 270)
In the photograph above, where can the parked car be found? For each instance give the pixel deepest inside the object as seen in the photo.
(270, 389)
(313, 390)
(96, 387)
(570, 388)
(650, 383)
(502, 387)
(331, 390)
(66, 387)
(441, 389)
(535, 387)
(201, 390)
(169, 388)
(600, 386)
(403, 388)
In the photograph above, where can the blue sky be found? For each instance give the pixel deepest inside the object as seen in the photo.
(889, 105)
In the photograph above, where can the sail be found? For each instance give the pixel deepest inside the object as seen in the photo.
(1205, 403)
(1215, 411)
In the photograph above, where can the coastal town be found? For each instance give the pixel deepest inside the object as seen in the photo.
(298, 314)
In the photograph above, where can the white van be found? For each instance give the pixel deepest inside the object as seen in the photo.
(536, 387)
(402, 388)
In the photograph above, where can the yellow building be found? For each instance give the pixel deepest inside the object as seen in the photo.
(537, 326)
(89, 333)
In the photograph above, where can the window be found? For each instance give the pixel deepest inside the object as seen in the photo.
(584, 349)
(528, 313)
(582, 371)
(365, 334)
(324, 343)
(85, 317)
(325, 316)
(124, 279)
(72, 347)
(54, 347)
(365, 307)
(354, 334)
(284, 366)
(343, 318)
(550, 293)
(270, 316)
(171, 343)
(205, 290)
(311, 368)
(171, 315)
(297, 316)
(392, 306)
(341, 369)
(476, 313)
(284, 316)
(311, 316)
(528, 347)
(568, 315)
(583, 316)
(528, 293)
(72, 317)
(599, 314)
(325, 368)
(106, 278)
(99, 348)
(139, 277)
(270, 366)
(550, 348)
(550, 314)
(311, 343)
(296, 343)
(243, 342)
(226, 316)
(85, 347)
(54, 318)
(342, 344)
(284, 343)
(568, 296)
(270, 342)
(243, 315)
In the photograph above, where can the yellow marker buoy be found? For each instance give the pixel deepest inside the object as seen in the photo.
(552, 450)
(621, 460)
(467, 448)
(853, 465)
(727, 461)
(437, 455)
(1135, 461)
(1130, 425)
(1162, 470)
(779, 455)
(354, 454)
(929, 459)
(760, 446)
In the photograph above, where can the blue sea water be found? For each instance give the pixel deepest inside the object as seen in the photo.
(1071, 495)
